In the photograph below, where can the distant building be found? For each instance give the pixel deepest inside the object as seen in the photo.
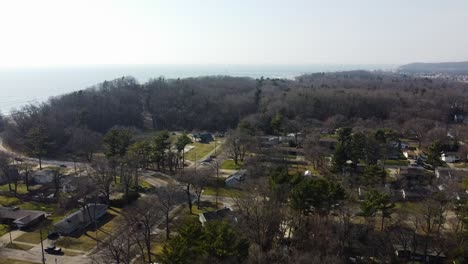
(218, 215)
(450, 157)
(43, 176)
(80, 219)
(71, 183)
(236, 179)
(20, 218)
(458, 118)
(203, 137)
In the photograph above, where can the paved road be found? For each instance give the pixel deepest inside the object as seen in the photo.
(34, 255)
(45, 162)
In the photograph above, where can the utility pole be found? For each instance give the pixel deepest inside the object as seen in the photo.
(217, 182)
(215, 149)
(42, 246)
(11, 241)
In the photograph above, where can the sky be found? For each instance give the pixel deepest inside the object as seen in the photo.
(89, 32)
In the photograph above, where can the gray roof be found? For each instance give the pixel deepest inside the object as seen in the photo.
(15, 214)
(238, 176)
(217, 215)
(80, 218)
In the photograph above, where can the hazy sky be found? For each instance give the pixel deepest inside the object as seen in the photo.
(47, 32)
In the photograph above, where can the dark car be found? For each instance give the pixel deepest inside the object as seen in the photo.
(53, 250)
(209, 159)
(53, 236)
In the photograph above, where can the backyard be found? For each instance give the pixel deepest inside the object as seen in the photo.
(200, 150)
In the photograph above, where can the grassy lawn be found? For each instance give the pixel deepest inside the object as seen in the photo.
(410, 207)
(18, 246)
(9, 201)
(200, 150)
(225, 192)
(142, 183)
(20, 189)
(87, 241)
(230, 165)
(15, 261)
(32, 237)
(461, 165)
(295, 169)
(403, 162)
(145, 184)
(3, 229)
(205, 206)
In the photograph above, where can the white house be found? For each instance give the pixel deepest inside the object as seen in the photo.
(449, 157)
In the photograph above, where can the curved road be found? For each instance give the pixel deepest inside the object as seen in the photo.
(35, 160)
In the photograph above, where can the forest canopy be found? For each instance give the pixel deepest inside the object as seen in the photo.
(326, 100)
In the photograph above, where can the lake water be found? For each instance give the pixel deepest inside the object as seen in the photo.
(20, 86)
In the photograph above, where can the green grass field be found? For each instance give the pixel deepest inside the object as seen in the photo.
(9, 201)
(18, 246)
(20, 189)
(32, 237)
(200, 150)
(397, 162)
(295, 169)
(15, 261)
(230, 165)
(225, 192)
(3, 229)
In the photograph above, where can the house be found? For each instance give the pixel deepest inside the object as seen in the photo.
(399, 145)
(218, 215)
(236, 179)
(203, 137)
(269, 141)
(43, 176)
(328, 142)
(20, 218)
(72, 183)
(80, 219)
(219, 134)
(410, 247)
(450, 175)
(416, 193)
(458, 118)
(410, 154)
(450, 157)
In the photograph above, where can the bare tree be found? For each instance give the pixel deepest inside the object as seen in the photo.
(418, 128)
(236, 146)
(200, 181)
(168, 198)
(116, 249)
(102, 176)
(144, 216)
(57, 177)
(26, 169)
(5, 168)
(259, 217)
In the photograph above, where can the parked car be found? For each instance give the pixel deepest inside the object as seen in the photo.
(53, 236)
(53, 250)
(209, 159)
